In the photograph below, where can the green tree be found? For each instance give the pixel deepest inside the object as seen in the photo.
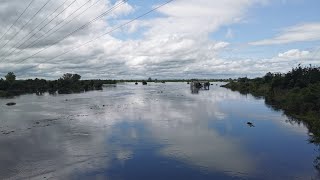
(10, 77)
(76, 77)
(67, 77)
(71, 77)
(268, 77)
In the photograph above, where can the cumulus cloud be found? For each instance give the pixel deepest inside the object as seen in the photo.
(124, 8)
(199, 17)
(297, 33)
(175, 42)
(294, 53)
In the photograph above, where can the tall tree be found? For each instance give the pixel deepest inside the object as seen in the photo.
(67, 77)
(10, 77)
(76, 77)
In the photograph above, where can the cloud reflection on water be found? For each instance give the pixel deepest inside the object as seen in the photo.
(96, 129)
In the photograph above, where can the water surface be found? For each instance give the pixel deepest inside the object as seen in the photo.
(159, 131)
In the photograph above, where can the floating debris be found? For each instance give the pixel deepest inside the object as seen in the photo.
(11, 104)
(250, 124)
(7, 132)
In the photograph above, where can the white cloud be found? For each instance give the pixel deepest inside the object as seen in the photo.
(175, 43)
(294, 54)
(124, 9)
(297, 33)
(199, 17)
(221, 45)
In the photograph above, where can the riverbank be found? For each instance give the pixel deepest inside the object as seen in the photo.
(297, 93)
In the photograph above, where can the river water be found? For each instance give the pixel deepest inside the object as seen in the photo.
(158, 131)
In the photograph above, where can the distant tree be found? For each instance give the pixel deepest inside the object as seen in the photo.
(71, 77)
(67, 77)
(10, 77)
(244, 79)
(149, 79)
(76, 77)
(268, 77)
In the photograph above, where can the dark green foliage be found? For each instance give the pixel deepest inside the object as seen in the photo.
(4, 85)
(296, 92)
(10, 77)
(68, 83)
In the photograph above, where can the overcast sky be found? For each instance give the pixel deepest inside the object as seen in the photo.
(183, 39)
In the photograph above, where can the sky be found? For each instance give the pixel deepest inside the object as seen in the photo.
(182, 39)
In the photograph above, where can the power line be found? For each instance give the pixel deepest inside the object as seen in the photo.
(40, 37)
(75, 31)
(118, 27)
(35, 42)
(17, 19)
(72, 19)
(47, 18)
(26, 23)
(35, 29)
(61, 13)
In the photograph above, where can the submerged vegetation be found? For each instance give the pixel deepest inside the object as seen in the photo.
(172, 80)
(297, 93)
(68, 83)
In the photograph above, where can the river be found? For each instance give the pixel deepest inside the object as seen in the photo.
(158, 131)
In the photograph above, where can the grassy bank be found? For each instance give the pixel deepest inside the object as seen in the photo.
(297, 93)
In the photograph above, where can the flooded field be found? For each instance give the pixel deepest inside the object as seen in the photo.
(158, 131)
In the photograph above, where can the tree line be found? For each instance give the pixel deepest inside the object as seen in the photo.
(297, 93)
(68, 83)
